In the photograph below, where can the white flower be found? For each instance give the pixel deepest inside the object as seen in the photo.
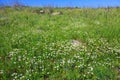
(91, 68)
(1, 71)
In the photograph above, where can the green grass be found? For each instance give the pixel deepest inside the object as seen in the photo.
(37, 46)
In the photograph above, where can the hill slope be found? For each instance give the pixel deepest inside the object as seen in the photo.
(78, 44)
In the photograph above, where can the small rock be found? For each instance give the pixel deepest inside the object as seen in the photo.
(56, 13)
(76, 43)
(42, 11)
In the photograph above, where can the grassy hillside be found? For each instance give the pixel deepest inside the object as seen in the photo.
(79, 44)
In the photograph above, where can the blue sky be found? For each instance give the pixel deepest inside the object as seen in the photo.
(66, 3)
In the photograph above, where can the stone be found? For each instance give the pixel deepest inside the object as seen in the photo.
(56, 13)
(42, 11)
(76, 43)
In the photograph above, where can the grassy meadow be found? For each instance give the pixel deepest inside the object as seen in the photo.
(79, 44)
